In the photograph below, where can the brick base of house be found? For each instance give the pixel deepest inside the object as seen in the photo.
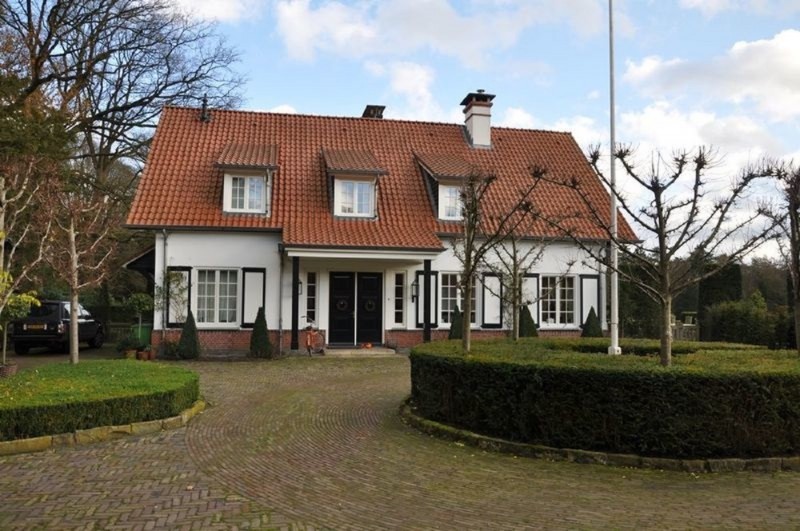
(239, 340)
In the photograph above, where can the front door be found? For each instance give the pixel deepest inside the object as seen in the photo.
(356, 310)
(342, 308)
(369, 320)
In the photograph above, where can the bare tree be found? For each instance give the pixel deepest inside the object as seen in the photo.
(510, 260)
(682, 229)
(789, 226)
(109, 66)
(482, 231)
(82, 223)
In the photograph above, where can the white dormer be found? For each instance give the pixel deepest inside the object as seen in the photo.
(354, 177)
(248, 175)
(247, 193)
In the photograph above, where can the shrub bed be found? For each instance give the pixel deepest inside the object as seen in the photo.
(710, 404)
(62, 398)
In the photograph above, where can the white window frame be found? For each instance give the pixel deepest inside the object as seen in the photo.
(340, 206)
(200, 317)
(265, 178)
(559, 300)
(398, 298)
(445, 191)
(444, 317)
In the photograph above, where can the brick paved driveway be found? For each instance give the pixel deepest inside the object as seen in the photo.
(317, 443)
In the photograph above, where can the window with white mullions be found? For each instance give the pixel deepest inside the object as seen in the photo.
(217, 296)
(450, 202)
(558, 300)
(311, 296)
(246, 193)
(450, 295)
(399, 298)
(355, 198)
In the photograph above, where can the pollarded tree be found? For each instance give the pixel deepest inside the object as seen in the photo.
(681, 227)
(482, 231)
(789, 226)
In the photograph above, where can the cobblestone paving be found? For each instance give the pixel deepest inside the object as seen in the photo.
(317, 443)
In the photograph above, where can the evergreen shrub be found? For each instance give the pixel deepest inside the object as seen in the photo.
(592, 328)
(189, 343)
(456, 324)
(260, 345)
(527, 326)
(710, 404)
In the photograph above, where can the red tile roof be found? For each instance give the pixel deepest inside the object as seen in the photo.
(182, 184)
(351, 160)
(444, 165)
(248, 156)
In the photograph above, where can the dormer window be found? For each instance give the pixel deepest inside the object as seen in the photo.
(450, 205)
(354, 178)
(354, 198)
(246, 193)
(248, 172)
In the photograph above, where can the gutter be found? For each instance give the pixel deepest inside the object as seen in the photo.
(282, 254)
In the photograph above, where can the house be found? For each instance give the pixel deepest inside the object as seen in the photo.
(347, 223)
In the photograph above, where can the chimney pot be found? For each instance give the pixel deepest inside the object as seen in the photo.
(478, 117)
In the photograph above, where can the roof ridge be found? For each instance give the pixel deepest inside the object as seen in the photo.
(357, 118)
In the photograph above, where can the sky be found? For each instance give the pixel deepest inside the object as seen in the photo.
(689, 73)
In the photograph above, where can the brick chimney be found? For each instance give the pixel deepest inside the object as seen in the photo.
(478, 119)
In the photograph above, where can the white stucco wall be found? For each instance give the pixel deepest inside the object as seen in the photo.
(238, 251)
(234, 251)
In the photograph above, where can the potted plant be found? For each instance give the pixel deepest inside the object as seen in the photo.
(128, 346)
(17, 306)
(138, 304)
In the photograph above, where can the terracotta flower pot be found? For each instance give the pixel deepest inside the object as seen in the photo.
(130, 354)
(8, 370)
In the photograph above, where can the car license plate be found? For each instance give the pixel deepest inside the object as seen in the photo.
(34, 327)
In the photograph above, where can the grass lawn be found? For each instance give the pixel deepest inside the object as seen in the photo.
(60, 397)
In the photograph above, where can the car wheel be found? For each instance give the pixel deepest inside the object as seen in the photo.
(97, 340)
(21, 350)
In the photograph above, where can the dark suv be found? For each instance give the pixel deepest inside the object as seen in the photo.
(48, 326)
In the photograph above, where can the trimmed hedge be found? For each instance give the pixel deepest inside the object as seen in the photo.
(709, 405)
(62, 398)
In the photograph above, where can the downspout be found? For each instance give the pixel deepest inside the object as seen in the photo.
(164, 279)
(281, 252)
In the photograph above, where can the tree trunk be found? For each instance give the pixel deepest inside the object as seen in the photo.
(666, 331)
(797, 322)
(516, 300)
(466, 342)
(73, 297)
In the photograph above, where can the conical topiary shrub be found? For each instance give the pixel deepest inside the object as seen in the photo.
(189, 344)
(592, 328)
(260, 345)
(527, 326)
(456, 324)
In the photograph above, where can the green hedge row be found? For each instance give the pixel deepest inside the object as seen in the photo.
(81, 406)
(623, 407)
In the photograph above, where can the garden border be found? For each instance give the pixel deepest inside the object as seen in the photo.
(100, 433)
(443, 431)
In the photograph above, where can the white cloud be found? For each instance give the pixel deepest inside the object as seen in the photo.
(763, 72)
(227, 11)
(711, 8)
(517, 117)
(396, 27)
(284, 108)
(593, 95)
(412, 85)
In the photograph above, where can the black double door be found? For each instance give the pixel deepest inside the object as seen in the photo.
(356, 310)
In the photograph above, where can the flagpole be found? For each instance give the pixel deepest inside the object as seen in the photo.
(613, 251)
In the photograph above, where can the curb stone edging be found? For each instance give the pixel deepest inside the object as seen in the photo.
(100, 433)
(760, 464)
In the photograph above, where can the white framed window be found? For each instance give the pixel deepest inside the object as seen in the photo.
(399, 299)
(354, 198)
(217, 296)
(450, 205)
(246, 193)
(450, 297)
(558, 300)
(311, 296)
